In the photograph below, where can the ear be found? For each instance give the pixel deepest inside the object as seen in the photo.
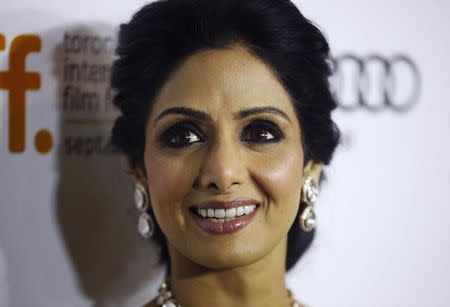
(313, 169)
(137, 174)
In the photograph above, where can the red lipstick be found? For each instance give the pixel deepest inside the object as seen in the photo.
(218, 217)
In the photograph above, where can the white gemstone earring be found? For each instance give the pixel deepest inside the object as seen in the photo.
(146, 226)
(309, 196)
(310, 191)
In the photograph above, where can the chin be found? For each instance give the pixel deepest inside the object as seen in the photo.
(231, 251)
(229, 256)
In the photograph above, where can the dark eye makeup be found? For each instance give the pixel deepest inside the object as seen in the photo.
(261, 131)
(181, 134)
(187, 133)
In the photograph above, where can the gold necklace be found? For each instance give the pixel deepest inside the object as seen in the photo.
(165, 297)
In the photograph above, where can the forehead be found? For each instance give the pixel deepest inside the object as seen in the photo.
(218, 80)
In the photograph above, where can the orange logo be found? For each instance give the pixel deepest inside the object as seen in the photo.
(16, 80)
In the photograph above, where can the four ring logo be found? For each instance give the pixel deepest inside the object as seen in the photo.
(375, 83)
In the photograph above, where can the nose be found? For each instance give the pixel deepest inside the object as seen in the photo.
(222, 169)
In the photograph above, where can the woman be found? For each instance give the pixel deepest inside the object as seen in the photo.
(226, 125)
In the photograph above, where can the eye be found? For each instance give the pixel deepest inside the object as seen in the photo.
(181, 135)
(262, 131)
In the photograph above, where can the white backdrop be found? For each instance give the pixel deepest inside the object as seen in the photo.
(67, 224)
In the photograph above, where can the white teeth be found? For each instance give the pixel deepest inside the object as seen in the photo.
(210, 212)
(220, 214)
(203, 212)
(230, 212)
(240, 211)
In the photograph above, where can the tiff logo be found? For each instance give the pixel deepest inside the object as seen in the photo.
(17, 80)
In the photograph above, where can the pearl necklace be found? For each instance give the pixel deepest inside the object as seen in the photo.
(165, 297)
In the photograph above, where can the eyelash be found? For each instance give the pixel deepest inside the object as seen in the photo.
(174, 132)
(189, 130)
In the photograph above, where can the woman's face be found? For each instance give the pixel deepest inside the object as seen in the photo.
(223, 129)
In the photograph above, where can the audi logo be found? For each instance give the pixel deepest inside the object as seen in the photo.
(375, 83)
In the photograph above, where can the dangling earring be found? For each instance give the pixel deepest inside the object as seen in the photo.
(309, 196)
(146, 226)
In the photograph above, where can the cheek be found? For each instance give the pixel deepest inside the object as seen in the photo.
(169, 181)
(280, 174)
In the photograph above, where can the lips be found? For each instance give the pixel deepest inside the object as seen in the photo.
(224, 217)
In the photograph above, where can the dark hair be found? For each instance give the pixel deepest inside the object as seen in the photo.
(163, 33)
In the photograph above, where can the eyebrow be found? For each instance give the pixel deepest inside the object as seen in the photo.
(201, 115)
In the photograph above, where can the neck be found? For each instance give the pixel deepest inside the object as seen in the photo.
(261, 283)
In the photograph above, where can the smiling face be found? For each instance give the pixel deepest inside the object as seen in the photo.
(222, 129)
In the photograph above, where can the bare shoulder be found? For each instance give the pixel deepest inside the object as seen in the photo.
(151, 304)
